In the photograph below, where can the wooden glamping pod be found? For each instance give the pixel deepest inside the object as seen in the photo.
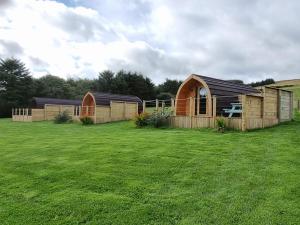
(201, 89)
(200, 100)
(106, 107)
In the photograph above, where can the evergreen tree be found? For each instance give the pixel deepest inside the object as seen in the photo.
(15, 85)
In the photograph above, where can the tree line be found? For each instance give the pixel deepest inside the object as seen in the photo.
(18, 87)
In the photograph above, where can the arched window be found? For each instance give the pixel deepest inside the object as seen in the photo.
(202, 100)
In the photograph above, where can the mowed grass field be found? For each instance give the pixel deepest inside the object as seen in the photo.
(117, 174)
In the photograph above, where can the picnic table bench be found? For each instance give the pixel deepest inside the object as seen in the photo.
(235, 108)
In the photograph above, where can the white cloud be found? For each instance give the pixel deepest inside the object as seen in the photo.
(249, 40)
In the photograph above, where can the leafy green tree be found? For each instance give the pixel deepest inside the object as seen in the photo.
(105, 81)
(79, 87)
(52, 87)
(164, 96)
(133, 83)
(15, 85)
(123, 82)
(169, 86)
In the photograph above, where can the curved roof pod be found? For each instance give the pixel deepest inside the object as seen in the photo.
(188, 89)
(38, 102)
(101, 98)
(213, 87)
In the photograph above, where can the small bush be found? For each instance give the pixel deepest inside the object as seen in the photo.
(221, 125)
(141, 120)
(86, 120)
(63, 117)
(159, 119)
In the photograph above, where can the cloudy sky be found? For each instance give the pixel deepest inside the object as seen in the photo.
(227, 39)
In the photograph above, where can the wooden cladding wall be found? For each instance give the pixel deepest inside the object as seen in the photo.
(51, 111)
(115, 112)
(254, 106)
(102, 114)
(270, 103)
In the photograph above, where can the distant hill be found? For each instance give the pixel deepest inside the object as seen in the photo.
(286, 83)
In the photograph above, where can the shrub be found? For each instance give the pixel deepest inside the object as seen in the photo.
(85, 120)
(159, 119)
(141, 120)
(221, 125)
(63, 117)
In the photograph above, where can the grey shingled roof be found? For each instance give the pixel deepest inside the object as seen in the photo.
(226, 88)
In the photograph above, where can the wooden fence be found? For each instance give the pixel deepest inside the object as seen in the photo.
(149, 106)
(47, 113)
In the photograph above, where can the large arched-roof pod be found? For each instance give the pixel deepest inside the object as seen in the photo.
(104, 99)
(215, 87)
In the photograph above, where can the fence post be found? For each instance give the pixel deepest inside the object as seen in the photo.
(125, 109)
(163, 105)
(144, 106)
(214, 110)
(156, 104)
(191, 113)
(172, 107)
(263, 105)
(244, 112)
(110, 112)
(45, 112)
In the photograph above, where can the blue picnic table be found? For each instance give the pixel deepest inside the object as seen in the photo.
(235, 108)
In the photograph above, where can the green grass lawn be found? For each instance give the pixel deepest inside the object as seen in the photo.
(117, 174)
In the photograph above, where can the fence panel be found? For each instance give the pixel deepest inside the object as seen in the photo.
(117, 111)
(131, 110)
(38, 114)
(103, 114)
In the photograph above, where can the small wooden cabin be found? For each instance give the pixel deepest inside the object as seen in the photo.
(200, 100)
(106, 107)
(201, 89)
